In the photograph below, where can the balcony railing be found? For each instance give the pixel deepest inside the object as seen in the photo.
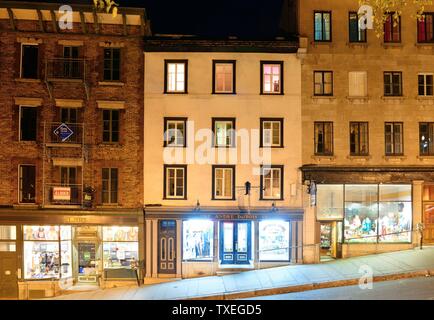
(63, 194)
(63, 133)
(65, 69)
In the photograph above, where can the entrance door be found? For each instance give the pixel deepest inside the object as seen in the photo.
(429, 224)
(235, 240)
(86, 262)
(8, 275)
(331, 240)
(167, 247)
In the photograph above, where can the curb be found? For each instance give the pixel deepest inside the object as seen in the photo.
(311, 286)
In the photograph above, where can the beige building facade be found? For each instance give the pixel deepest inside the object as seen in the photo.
(367, 114)
(199, 218)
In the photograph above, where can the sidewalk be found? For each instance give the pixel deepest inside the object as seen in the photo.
(386, 266)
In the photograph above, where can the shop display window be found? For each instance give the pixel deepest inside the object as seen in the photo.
(120, 254)
(274, 240)
(330, 202)
(49, 233)
(198, 236)
(114, 233)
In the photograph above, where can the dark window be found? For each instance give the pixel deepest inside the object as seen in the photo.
(392, 83)
(175, 132)
(29, 61)
(356, 33)
(109, 185)
(322, 25)
(175, 76)
(393, 134)
(111, 125)
(323, 138)
(223, 76)
(359, 139)
(323, 83)
(223, 183)
(271, 183)
(28, 123)
(425, 84)
(392, 28)
(426, 138)
(271, 77)
(271, 133)
(425, 28)
(68, 115)
(175, 182)
(112, 64)
(71, 64)
(224, 132)
(27, 183)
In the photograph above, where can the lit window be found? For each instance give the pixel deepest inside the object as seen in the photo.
(271, 183)
(323, 138)
(330, 202)
(176, 77)
(272, 132)
(223, 182)
(426, 138)
(175, 177)
(393, 136)
(120, 246)
(392, 28)
(224, 76)
(271, 78)
(425, 28)
(322, 25)
(198, 236)
(359, 139)
(274, 240)
(323, 83)
(357, 81)
(224, 132)
(174, 132)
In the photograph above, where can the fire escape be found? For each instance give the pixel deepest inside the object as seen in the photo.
(64, 148)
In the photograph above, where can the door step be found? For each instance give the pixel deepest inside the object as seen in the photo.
(227, 271)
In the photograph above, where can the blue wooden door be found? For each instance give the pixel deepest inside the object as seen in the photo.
(235, 242)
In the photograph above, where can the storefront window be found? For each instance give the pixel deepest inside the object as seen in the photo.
(198, 238)
(274, 240)
(120, 246)
(330, 202)
(8, 233)
(361, 213)
(395, 213)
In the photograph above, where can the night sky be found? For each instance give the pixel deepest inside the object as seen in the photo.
(246, 19)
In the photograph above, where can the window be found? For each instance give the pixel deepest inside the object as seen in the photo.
(356, 33)
(110, 126)
(393, 133)
(27, 183)
(271, 77)
(120, 246)
(392, 84)
(29, 61)
(426, 138)
(330, 202)
(358, 84)
(271, 132)
(323, 138)
(274, 242)
(359, 141)
(425, 28)
(112, 64)
(322, 25)
(223, 183)
(109, 185)
(176, 72)
(8, 237)
(224, 76)
(71, 63)
(28, 123)
(224, 132)
(68, 115)
(175, 182)
(323, 83)
(272, 183)
(425, 84)
(175, 132)
(198, 240)
(392, 28)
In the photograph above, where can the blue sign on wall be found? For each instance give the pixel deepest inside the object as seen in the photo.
(63, 132)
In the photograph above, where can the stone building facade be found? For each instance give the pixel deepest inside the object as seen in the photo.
(71, 138)
(367, 110)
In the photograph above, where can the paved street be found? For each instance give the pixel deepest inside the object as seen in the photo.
(406, 289)
(268, 281)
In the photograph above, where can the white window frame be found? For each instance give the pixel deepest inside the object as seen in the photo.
(225, 90)
(424, 74)
(176, 75)
(272, 171)
(228, 133)
(177, 131)
(271, 76)
(269, 133)
(223, 183)
(175, 176)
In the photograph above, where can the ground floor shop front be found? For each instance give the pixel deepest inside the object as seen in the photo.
(368, 210)
(45, 254)
(183, 244)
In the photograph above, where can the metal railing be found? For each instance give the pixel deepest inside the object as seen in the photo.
(65, 69)
(61, 194)
(63, 133)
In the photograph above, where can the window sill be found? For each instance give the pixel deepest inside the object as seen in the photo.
(359, 158)
(108, 205)
(323, 99)
(223, 199)
(357, 44)
(388, 45)
(423, 158)
(111, 83)
(357, 100)
(425, 98)
(110, 145)
(25, 206)
(28, 80)
(323, 157)
(322, 43)
(425, 45)
(395, 158)
(397, 98)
